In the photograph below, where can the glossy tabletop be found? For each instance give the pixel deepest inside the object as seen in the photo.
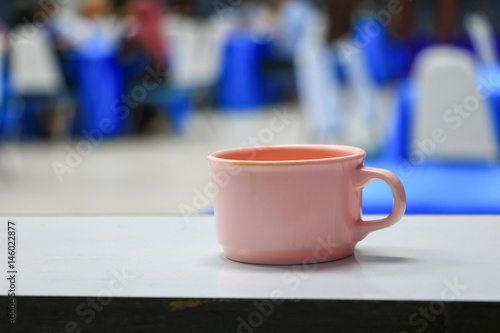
(421, 258)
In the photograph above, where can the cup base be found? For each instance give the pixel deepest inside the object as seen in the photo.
(288, 258)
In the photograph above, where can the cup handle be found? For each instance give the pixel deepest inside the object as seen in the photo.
(364, 177)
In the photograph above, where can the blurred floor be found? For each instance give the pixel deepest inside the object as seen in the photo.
(158, 174)
(146, 175)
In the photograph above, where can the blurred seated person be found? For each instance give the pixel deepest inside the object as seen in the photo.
(287, 18)
(279, 26)
(144, 34)
(144, 49)
(91, 38)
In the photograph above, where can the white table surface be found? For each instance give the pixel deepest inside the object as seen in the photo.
(420, 258)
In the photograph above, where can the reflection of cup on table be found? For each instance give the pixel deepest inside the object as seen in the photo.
(294, 204)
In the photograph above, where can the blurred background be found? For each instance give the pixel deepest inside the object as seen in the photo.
(110, 107)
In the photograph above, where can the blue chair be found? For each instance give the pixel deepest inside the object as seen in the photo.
(240, 84)
(437, 185)
(99, 86)
(176, 105)
(6, 124)
(386, 58)
(370, 36)
(437, 188)
(489, 80)
(99, 89)
(397, 145)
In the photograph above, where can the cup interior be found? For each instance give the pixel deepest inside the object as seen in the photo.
(288, 153)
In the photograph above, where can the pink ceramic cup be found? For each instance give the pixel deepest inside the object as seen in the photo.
(295, 204)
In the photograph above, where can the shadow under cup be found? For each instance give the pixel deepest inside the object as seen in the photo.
(294, 204)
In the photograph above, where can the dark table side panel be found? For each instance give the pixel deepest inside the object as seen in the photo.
(83, 314)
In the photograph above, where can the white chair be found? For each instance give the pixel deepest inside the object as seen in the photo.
(451, 120)
(319, 92)
(34, 65)
(195, 49)
(482, 36)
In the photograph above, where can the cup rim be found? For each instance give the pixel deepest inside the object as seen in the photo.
(358, 153)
